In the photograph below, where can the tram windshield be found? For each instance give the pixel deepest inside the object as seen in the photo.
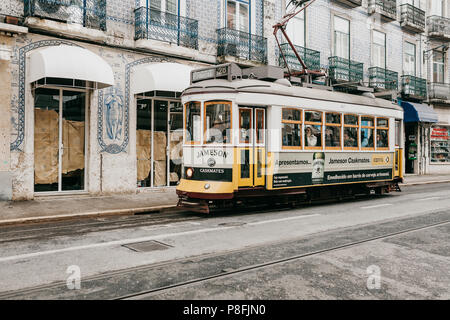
(218, 122)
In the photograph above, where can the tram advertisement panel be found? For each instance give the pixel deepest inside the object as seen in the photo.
(210, 163)
(320, 168)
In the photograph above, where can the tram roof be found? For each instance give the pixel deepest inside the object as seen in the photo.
(274, 88)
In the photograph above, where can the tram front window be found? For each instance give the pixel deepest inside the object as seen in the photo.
(193, 122)
(218, 122)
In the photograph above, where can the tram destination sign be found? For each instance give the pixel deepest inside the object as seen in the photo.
(319, 168)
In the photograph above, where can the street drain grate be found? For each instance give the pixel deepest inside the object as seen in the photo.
(147, 246)
(232, 224)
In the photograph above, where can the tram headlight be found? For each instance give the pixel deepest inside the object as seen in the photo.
(207, 186)
(189, 173)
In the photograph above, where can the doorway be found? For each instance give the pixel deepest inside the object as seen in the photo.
(251, 150)
(159, 141)
(60, 140)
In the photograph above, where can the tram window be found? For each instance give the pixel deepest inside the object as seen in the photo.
(333, 130)
(367, 131)
(351, 126)
(313, 129)
(245, 125)
(382, 133)
(218, 122)
(292, 128)
(193, 122)
(260, 126)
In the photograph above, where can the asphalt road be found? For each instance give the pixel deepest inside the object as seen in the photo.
(383, 247)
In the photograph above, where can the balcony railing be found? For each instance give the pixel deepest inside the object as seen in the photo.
(241, 45)
(414, 86)
(311, 58)
(351, 3)
(383, 79)
(439, 91)
(412, 18)
(345, 70)
(88, 13)
(163, 26)
(438, 27)
(387, 8)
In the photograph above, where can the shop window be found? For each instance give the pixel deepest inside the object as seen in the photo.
(382, 133)
(313, 129)
(193, 122)
(367, 131)
(333, 125)
(291, 128)
(218, 122)
(351, 126)
(440, 144)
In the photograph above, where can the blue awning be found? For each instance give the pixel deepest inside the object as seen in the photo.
(418, 112)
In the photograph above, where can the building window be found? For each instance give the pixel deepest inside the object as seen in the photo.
(313, 129)
(351, 126)
(291, 128)
(438, 67)
(379, 49)
(295, 29)
(382, 133)
(367, 131)
(333, 125)
(415, 3)
(341, 47)
(193, 126)
(437, 8)
(409, 59)
(440, 144)
(218, 122)
(237, 15)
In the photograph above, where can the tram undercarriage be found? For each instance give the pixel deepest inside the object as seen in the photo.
(251, 198)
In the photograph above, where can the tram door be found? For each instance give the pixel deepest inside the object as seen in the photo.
(251, 151)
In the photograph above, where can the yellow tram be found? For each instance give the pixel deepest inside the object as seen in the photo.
(248, 140)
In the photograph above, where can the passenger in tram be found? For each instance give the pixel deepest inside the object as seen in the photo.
(311, 139)
(349, 140)
(382, 141)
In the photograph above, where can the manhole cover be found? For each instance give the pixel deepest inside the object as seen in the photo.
(232, 224)
(147, 246)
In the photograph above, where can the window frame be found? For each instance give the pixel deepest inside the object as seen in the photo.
(250, 142)
(368, 127)
(191, 142)
(333, 125)
(382, 128)
(258, 141)
(311, 123)
(238, 4)
(357, 126)
(409, 55)
(205, 105)
(299, 122)
(375, 45)
(334, 43)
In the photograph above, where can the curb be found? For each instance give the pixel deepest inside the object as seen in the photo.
(424, 182)
(64, 217)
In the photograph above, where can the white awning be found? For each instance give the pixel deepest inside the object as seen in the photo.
(160, 77)
(70, 62)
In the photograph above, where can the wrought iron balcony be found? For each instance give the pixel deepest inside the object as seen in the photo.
(439, 92)
(412, 18)
(310, 57)
(350, 3)
(157, 25)
(386, 8)
(345, 70)
(439, 27)
(383, 79)
(414, 87)
(241, 45)
(88, 13)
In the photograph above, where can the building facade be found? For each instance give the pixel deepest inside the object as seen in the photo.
(90, 90)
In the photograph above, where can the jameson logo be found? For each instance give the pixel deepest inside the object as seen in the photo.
(286, 163)
(212, 153)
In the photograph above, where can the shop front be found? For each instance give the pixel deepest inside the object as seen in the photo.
(159, 123)
(440, 142)
(418, 119)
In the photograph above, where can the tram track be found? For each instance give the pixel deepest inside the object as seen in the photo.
(345, 238)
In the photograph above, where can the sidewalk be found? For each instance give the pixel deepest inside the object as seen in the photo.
(56, 208)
